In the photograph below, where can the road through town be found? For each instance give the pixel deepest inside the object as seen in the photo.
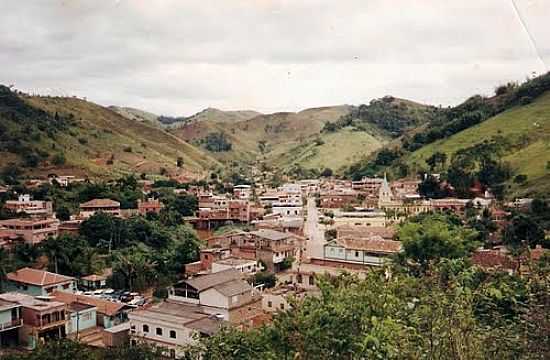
(313, 231)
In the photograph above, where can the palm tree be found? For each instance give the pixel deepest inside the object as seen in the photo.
(5, 260)
(136, 267)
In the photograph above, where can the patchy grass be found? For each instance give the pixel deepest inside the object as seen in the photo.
(527, 127)
(107, 136)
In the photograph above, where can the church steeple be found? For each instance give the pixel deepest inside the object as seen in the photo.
(384, 194)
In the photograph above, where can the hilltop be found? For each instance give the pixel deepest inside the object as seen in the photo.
(57, 134)
(265, 136)
(499, 141)
(523, 131)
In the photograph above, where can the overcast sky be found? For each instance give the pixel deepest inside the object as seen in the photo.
(177, 57)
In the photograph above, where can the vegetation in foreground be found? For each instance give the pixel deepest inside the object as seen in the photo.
(432, 303)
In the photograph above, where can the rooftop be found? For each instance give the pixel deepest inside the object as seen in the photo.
(100, 203)
(375, 244)
(234, 261)
(204, 282)
(29, 301)
(37, 277)
(271, 234)
(103, 306)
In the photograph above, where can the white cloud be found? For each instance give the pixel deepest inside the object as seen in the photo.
(177, 57)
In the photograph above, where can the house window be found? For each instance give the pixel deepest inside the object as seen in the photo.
(269, 304)
(299, 278)
(357, 254)
(311, 280)
(66, 286)
(159, 331)
(282, 306)
(145, 328)
(173, 353)
(173, 334)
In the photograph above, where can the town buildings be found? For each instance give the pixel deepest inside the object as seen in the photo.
(223, 294)
(171, 325)
(372, 251)
(41, 320)
(32, 231)
(33, 208)
(11, 320)
(91, 207)
(148, 206)
(35, 282)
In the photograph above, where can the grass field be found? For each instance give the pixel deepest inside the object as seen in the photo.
(338, 149)
(101, 135)
(527, 126)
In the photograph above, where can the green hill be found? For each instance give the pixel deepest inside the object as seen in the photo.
(70, 135)
(525, 133)
(265, 136)
(329, 150)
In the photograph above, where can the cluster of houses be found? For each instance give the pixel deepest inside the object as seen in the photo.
(352, 228)
(40, 222)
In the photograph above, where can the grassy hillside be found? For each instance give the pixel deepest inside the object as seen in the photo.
(278, 133)
(329, 150)
(88, 139)
(215, 115)
(136, 114)
(391, 115)
(526, 131)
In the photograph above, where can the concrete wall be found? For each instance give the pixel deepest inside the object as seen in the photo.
(85, 319)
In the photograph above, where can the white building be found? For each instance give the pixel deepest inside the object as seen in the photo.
(172, 325)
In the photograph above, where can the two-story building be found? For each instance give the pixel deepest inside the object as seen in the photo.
(33, 231)
(273, 247)
(36, 282)
(373, 251)
(108, 313)
(149, 206)
(34, 208)
(224, 294)
(171, 325)
(10, 321)
(91, 207)
(42, 320)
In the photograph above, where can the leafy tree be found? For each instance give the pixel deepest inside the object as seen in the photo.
(63, 213)
(327, 172)
(430, 238)
(430, 187)
(268, 279)
(217, 142)
(437, 159)
(523, 231)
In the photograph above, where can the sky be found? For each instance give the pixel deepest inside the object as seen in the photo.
(177, 57)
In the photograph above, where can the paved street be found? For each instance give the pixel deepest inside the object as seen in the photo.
(313, 231)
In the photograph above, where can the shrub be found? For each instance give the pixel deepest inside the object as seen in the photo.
(58, 159)
(127, 149)
(82, 141)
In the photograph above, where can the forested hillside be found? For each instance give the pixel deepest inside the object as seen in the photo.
(54, 134)
(501, 142)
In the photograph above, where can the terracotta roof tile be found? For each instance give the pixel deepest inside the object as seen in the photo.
(100, 203)
(37, 277)
(103, 306)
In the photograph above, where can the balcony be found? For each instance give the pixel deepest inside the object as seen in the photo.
(11, 324)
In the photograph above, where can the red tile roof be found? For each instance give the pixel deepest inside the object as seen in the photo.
(106, 307)
(100, 203)
(374, 244)
(37, 277)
